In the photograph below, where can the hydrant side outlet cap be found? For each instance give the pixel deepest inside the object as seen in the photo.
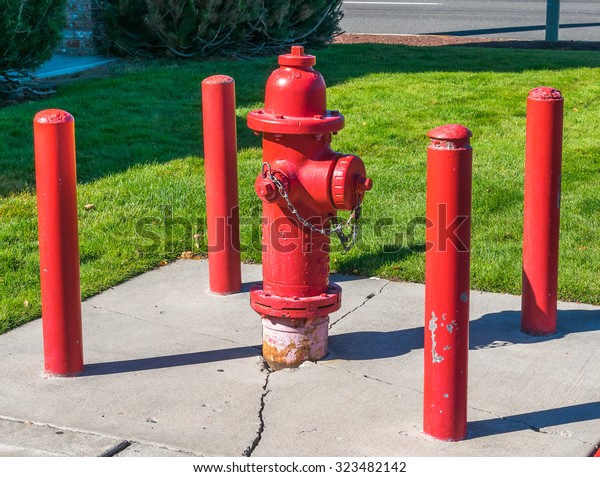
(344, 191)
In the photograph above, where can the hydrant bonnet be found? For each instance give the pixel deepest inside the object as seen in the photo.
(295, 99)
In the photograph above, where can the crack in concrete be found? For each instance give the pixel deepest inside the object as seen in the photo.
(376, 379)
(261, 421)
(539, 430)
(367, 298)
(366, 376)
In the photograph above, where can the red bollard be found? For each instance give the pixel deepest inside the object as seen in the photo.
(447, 282)
(56, 184)
(543, 157)
(222, 205)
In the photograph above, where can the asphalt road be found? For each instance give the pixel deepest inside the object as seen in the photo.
(520, 20)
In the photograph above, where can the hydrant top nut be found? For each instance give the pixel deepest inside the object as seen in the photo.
(297, 58)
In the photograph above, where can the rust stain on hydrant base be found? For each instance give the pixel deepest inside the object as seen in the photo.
(288, 343)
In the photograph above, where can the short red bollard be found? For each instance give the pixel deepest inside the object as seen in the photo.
(447, 282)
(543, 157)
(56, 184)
(222, 204)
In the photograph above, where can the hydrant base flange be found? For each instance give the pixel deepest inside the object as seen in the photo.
(305, 307)
(287, 343)
(260, 120)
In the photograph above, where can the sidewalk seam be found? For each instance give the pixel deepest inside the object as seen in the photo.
(99, 434)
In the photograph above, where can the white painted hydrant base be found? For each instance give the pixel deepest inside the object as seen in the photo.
(287, 343)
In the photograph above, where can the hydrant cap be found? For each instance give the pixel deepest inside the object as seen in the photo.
(297, 58)
(348, 182)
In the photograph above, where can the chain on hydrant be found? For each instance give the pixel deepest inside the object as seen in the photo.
(302, 184)
(346, 239)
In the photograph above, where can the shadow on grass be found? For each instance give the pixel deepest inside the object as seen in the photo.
(154, 116)
(369, 259)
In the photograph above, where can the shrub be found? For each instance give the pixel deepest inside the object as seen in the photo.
(29, 32)
(190, 28)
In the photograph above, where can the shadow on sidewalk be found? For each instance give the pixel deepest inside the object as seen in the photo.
(503, 328)
(171, 361)
(490, 331)
(535, 420)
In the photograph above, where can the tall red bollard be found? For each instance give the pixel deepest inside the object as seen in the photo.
(222, 205)
(543, 157)
(56, 183)
(447, 282)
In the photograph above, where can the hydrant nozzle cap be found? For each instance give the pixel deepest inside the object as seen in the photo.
(348, 182)
(297, 58)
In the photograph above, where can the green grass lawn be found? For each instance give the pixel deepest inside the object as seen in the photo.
(139, 162)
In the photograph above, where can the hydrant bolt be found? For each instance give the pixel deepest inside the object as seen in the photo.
(265, 189)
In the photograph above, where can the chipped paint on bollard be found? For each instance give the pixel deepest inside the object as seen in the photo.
(447, 283)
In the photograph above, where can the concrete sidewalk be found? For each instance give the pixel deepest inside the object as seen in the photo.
(60, 65)
(172, 370)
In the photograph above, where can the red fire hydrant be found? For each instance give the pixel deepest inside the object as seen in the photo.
(302, 185)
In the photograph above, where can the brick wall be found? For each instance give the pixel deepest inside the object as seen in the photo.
(78, 36)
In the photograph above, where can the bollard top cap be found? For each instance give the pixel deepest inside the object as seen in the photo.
(53, 116)
(218, 79)
(450, 136)
(297, 58)
(545, 93)
(450, 132)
